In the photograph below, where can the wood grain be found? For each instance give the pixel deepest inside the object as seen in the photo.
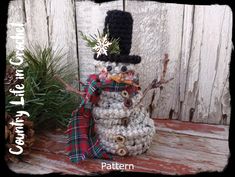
(208, 60)
(168, 104)
(177, 149)
(198, 42)
(220, 98)
(191, 87)
(36, 23)
(15, 15)
(62, 31)
(149, 42)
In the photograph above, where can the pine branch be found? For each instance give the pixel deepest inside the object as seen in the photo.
(114, 47)
(90, 42)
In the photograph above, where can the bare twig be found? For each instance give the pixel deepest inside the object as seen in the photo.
(68, 87)
(155, 83)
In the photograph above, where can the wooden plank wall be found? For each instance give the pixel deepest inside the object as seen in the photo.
(47, 22)
(198, 40)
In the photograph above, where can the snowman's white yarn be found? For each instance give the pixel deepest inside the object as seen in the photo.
(137, 117)
(134, 147)
(129, 132)
(111, 106)
(108, 116)
(116, 67)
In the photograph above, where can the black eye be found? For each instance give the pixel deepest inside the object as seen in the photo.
(109, 68)
(123, 68)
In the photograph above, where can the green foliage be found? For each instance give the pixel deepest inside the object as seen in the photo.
(114, 47)
(45, 98)
(92, 41)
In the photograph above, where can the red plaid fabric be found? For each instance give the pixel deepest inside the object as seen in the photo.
(83, 142)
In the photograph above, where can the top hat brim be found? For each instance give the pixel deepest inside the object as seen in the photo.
(133, 59)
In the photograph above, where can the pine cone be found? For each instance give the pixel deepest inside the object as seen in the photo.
(10, 136)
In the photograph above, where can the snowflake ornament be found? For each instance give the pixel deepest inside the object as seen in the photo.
(102, 45)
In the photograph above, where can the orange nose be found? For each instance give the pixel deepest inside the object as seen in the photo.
(120, 78)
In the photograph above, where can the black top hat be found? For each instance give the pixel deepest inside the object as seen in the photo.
(119, 25)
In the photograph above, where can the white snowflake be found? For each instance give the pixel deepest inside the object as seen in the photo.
(102, 45)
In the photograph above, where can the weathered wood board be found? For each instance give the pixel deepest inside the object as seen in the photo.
(186, 152)
(198, 40)
(191, 88)
(47, 22)
(220, 97)
(168, 105)
(208, 66)
(36, 23)
(15, 15)
(62, 30)
(149, 41)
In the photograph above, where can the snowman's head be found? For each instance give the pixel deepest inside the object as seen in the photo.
(111, 70)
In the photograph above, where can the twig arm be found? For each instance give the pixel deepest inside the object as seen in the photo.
(155, 83)
(68, 87)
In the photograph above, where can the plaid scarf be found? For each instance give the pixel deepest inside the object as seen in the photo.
(83, 142)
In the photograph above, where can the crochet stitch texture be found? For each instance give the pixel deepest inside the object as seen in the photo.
(114, 121)
(118, 24)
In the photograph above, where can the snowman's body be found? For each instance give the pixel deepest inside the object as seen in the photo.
(123, 129)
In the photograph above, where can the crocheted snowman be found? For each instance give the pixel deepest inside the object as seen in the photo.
(122, 122)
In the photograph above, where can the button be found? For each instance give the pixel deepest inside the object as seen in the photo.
(120, 139)
(122, 151)
(125, 121)
(128, 102)
(125, 94)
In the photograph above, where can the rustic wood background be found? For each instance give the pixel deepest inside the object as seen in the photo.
(198, 40)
